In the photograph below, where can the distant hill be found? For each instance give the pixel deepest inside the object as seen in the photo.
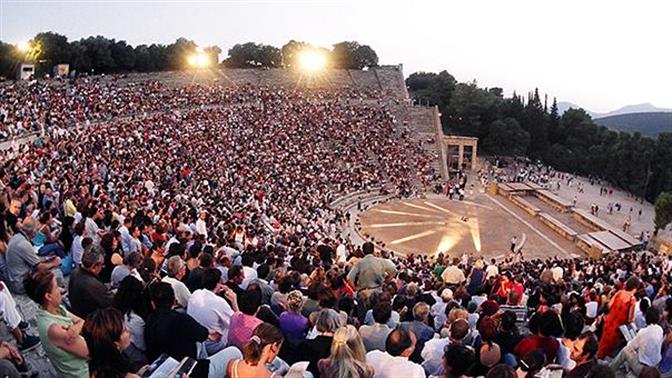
(563, 106)
(628, 109)
(648, 124)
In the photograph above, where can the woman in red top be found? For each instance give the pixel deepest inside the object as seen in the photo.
(504, 288)
(517, 286)
(621, 311)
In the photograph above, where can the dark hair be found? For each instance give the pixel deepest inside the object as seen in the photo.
(382, 312)
(129, 297)
(574, 323)
(176, 249)
(162, 295)
(250, 300)
(266, 334)
(148, 269)
(533, 362)
(235, 271)
(398, 341)
(591, 344)
(632, 283)
(211, 278)
(487, 328)
(367, 248)
(346, 304)
(195, 249)
(263, 270)
(247, 259)
(459, 329)
(79, 228)
(101, 330)
(550, 324)
(38, 284)
(133, 259)
(501, 371)
(652, 316)
(205, 260)
(458, 359)
(508, 321)
(326, 298)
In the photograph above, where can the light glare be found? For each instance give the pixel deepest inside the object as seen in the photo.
(23, 46)
(312, 60)
(198, 59)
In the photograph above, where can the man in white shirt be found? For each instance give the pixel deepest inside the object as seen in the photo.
(644, 349)
(177, 268)
(249, 273)
(453, 275)
(125, 236)
(200, 225)
(432, 352)
(492, 270)
(394, 361)
(557, 272)
(212, 311)
(438, 310)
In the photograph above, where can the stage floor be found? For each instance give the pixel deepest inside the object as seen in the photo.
(483, 225)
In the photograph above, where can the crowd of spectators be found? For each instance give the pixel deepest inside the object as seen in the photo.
(207, 233)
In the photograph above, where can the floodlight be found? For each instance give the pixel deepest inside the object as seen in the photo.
(312, 60)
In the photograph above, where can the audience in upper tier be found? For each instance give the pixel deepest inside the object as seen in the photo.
(171, 227)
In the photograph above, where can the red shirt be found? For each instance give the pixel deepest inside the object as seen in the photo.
(549, 345)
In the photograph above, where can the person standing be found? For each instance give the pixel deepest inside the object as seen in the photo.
(369, 273)
(621, 311)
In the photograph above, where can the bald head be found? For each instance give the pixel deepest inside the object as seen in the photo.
(400, 342)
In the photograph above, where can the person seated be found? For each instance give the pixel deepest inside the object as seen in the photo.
(394, 361)
(133, 304)
(244, 323)
(258, 353)
(177, 269)
(59, 330)
(457, 360)
(106, 337)
(294, 325)
(47, 243)
(432, 353)
(312, 350)
(420, 327)
(542, 328)
(21, 257)
(374, 336)
(179, 335)
(211, 310)
(12, 319)
(583, 354)
(644, 349)
(347, 358)
(85, 291)
(129, 267)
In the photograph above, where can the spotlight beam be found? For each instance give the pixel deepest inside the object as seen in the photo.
(414, 236)
(404, 224)
(441, 209)
(405, 213)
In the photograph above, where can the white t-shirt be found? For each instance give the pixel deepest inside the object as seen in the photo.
(387, 366)
(211, 311)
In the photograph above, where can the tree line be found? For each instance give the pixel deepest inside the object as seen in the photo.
(527, 126)
(98, 54)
